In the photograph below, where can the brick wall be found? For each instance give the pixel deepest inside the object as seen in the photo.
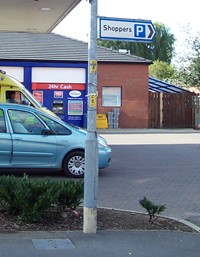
(133, 78)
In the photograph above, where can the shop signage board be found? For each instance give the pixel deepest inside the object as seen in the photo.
(126, 29)
(58, 86)
(66, 100)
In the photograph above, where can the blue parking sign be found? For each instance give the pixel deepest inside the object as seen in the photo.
(139, 30)
(126, 29)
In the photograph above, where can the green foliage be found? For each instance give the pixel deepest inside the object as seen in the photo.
(190, 75)
(161, 48)
(30, 199)
(151, 208)
(71, 194)
(8, 185)
(188, 60)
(162, 70)
(35, 197)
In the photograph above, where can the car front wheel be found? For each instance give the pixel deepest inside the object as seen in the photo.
(74, 164)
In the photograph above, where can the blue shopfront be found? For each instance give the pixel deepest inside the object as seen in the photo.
(61, 87)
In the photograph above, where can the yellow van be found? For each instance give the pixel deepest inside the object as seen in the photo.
(12, 91)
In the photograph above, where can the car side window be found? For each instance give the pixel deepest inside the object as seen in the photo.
(2, 122)
(56, 127)
(11, 97)
(24, 122)
(16, 97)
(24, 100)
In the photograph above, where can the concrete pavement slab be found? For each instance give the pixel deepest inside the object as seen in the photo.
(104, 243)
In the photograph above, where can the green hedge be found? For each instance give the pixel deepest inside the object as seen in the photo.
(30, 199)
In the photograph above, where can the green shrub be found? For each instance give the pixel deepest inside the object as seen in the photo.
(8, 184)
(35, 197)
(30, 199)
(71, 194)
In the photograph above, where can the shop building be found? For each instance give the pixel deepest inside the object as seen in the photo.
(55, 69)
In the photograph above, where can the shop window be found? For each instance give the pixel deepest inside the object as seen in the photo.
(111, 96)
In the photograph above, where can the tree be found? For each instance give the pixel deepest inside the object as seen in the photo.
(161, 48)
(189, 70)
(190, 75)
(162, 70)
(163, 44)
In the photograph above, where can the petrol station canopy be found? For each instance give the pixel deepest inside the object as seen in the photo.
(37, 16)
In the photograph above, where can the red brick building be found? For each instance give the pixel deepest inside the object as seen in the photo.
(133, 80)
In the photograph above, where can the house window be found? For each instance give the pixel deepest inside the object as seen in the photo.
(111, 96)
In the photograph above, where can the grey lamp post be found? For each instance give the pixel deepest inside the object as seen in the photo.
(91, 151)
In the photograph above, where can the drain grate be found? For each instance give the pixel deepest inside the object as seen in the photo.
(52, 244)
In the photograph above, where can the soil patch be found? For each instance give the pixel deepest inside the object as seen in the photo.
(107, 219)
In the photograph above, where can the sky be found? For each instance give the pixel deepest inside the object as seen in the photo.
(174, 14)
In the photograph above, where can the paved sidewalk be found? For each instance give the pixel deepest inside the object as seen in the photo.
(104, 243)
(146, 131)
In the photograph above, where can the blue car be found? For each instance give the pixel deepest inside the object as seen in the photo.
(31, 139)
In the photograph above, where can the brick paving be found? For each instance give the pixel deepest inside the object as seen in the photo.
(163, 165)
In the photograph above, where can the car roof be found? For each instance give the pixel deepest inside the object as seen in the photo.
(23, 108)
(17, 106)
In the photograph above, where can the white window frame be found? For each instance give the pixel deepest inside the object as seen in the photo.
(111, 96)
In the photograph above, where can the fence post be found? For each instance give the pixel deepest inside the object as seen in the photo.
(161, 110)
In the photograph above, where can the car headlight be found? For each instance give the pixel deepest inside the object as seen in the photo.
(102, 141)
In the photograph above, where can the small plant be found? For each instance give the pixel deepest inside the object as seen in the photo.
(151, 208)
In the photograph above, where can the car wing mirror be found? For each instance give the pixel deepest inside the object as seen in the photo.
(47, 132)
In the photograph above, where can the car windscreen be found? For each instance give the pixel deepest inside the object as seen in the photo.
(32, 98)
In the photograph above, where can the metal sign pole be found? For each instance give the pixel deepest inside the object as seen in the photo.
(91, 151)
